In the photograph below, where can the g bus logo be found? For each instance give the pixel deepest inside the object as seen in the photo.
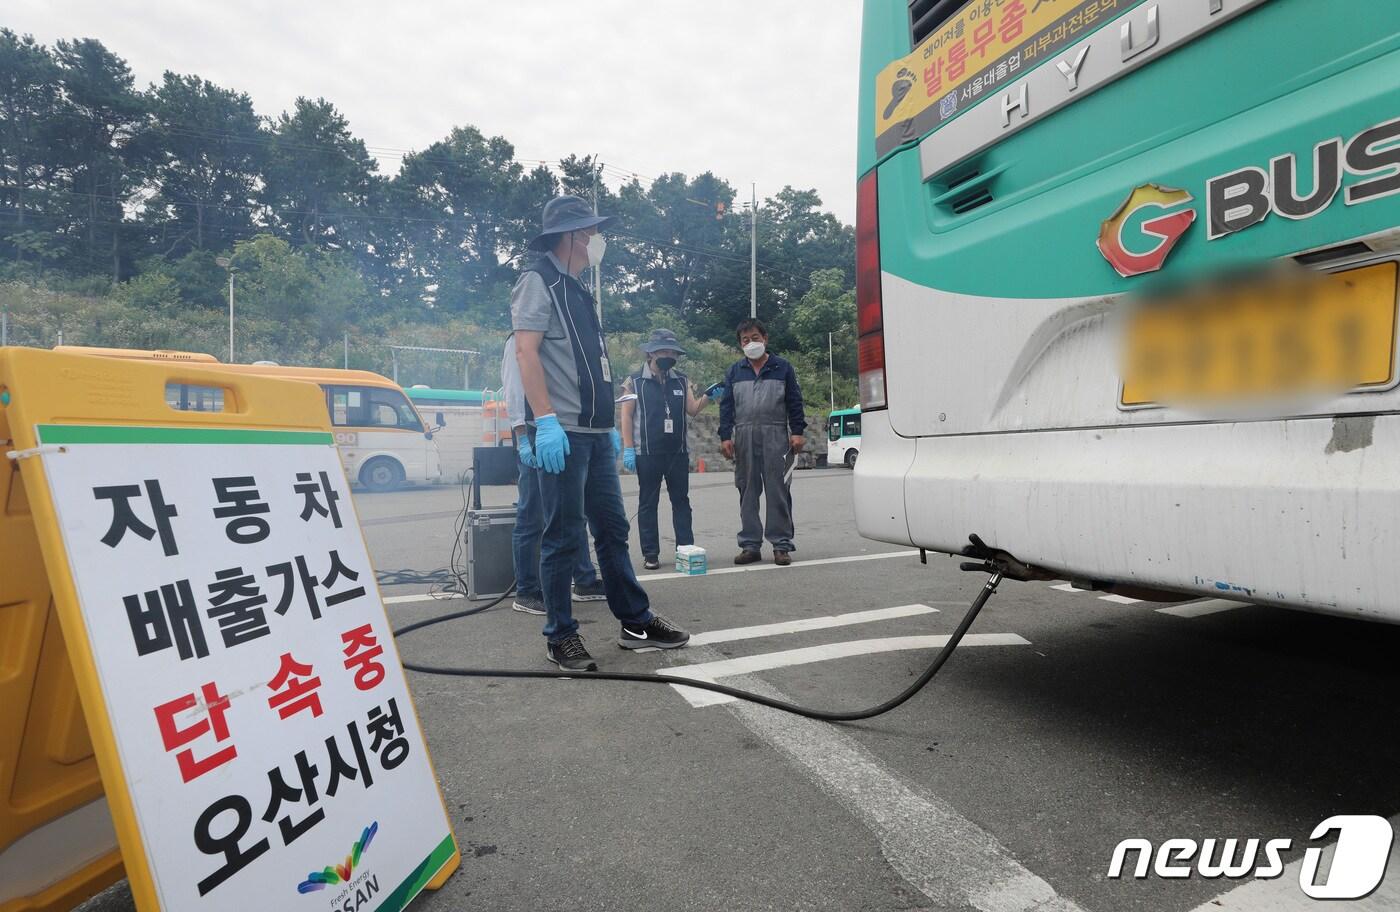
(1160, 232)
(1358, 860)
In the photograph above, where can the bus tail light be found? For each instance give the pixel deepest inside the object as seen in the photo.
(870, 312)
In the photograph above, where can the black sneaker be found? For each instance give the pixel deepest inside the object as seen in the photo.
(528, 605)
(658, 633)
(651, 563)
(590, 592)
(570, 654)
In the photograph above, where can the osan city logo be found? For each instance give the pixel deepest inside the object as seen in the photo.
(1358, 860)
(1133, 246)
(357, 891)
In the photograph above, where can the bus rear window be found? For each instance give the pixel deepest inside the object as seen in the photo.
(186, 397)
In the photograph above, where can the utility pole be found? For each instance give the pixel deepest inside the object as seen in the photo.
(830, 372)
(4, 324)
(347, 351)
(597, 270)
(753, 251)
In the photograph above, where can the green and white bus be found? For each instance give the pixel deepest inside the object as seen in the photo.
(1126, 291)
(843, 437)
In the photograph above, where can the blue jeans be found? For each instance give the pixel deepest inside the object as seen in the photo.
(674, 469)
(586, 495)
(525, 540)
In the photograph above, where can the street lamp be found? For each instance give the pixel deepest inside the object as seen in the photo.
(226, 263)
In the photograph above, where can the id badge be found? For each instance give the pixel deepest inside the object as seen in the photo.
(668, 426)
(606, 368)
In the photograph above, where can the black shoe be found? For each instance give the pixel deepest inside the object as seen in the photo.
(651, 563)
(657, 634)
(528, 605)
(590, 592)
(570, 654)
(748, 557)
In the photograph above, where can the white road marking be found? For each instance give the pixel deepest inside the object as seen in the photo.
(817, 623)
(655, 577)
(1282, 893)
(723, 668)
(942, 854)
(422, 597)
(749, 568)
(1066, 587)
(1119, 599)
(1200, 609)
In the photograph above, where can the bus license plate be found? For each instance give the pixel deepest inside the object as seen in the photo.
(1262, 339)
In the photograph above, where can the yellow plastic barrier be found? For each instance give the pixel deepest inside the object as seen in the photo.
(58, 747)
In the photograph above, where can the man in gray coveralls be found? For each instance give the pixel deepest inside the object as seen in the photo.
(760, 428)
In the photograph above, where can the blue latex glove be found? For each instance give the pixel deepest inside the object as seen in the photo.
(629, 459)
(718, 393)
(526, 451)
(551, 444)
(616, 442)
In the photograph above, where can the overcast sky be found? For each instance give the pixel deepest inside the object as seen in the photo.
(754, 90)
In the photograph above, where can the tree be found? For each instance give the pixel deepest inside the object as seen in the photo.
(210, 149)
(29, 117)
(311, 294)
(462, 214)
(103, 117)
(670, 239)
(318, 180)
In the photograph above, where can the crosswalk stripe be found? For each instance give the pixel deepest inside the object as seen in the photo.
(817, 623)
(1200, 609)
(711, 671)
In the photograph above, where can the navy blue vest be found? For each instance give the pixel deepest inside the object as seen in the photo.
(653, 398)
(580, 321)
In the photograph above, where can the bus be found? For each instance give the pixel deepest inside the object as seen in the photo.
(426, 397)
(1126, 292)
(843, 437)
(383, 441)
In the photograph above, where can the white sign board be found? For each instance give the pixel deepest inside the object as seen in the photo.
(262, 720)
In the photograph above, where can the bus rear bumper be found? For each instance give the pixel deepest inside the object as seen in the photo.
(885, 459)
(1301, 513)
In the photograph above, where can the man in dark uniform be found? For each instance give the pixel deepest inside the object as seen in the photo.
(654, 441)
(760, 427)
(567, 377)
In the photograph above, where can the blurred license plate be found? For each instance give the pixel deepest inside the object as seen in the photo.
(1274, 336)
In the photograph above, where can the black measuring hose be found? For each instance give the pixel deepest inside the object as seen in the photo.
(938, 662)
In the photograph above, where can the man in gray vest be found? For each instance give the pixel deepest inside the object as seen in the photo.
(567, 376)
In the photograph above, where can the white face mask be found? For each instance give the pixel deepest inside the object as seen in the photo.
(597, 246)
(754, 350)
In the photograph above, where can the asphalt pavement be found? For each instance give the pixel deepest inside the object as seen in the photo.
(1066, 723)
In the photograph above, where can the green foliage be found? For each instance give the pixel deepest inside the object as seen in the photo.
(116, 203)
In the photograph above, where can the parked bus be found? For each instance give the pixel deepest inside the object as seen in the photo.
(843, 437)
(425, 397)
(1068, 342)
(382, 439)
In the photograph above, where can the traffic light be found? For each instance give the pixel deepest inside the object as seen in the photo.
(719, 212)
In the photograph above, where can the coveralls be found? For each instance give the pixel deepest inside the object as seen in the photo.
(759, 412)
